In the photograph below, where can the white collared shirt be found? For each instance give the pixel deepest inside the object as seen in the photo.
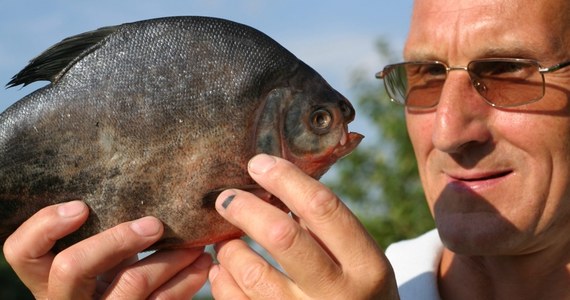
(416, 263)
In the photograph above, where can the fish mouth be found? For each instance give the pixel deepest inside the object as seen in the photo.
(348, 142)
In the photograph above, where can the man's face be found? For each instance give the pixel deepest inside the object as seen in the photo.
(496, 180)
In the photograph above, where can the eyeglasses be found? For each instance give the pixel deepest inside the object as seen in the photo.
(502, 82)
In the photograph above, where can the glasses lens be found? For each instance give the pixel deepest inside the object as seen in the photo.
(507, 82)
(415, 84)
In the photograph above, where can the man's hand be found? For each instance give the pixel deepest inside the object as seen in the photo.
(327, 254)
(104, 265)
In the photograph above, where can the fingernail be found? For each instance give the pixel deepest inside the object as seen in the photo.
(261, 163)
(227, 201)
(71, 209)
(214, 270)
(146, 226)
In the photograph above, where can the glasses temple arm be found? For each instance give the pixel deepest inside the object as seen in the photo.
(555, 67)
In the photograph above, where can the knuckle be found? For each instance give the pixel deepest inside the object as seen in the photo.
(284, 234)
(217, 289)
(252, 276)
(133, 282)
(220, 290)
(10, 253)
(383, 278)
(281, 169)
(225, 252)
(118, 238)
(18, 245)
(322, 204)
(164, 295)
(64, 267)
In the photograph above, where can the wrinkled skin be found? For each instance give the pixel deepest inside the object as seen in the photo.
(111, 272)
(496, 180)
(527, 249)
(325, 251)
(156, 118)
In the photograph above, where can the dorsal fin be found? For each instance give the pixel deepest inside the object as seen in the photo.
(53, 62)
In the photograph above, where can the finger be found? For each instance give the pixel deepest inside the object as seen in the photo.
(302, 258)
(223, 285)
(27, 250)
(110, 275)
(254, 276)
(74, 270)
(321, 211)
(187, 282)
(106, 279)
(139, 280)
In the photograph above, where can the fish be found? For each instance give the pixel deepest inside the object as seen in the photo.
(156, 118)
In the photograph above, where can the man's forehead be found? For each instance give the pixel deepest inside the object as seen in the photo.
(486, 28)
(552, 11)
(453, 7)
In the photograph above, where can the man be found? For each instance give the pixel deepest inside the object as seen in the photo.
(493, 154)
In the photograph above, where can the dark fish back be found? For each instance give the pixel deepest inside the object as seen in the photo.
(129, 106)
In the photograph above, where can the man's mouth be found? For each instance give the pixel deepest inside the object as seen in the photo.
(478, 180)
(481, 177)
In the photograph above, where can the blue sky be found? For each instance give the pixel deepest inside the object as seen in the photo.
(334, 37)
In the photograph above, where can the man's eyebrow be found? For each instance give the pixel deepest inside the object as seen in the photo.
(515, 51)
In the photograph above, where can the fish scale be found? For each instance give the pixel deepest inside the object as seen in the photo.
(157, 117)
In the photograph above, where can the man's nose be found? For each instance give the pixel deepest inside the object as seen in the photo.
(461, 115)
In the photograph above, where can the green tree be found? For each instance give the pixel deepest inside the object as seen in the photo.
(10, 286)
(379, 179)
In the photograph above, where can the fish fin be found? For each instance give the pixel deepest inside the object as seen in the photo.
(56, 60)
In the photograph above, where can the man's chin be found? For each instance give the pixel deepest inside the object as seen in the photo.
(477, 235)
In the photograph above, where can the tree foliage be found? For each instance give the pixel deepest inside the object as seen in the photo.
(10, 286)
(379, 179)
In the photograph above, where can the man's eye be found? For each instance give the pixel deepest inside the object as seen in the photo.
(434, 70)
(498, 68)
(425, 72)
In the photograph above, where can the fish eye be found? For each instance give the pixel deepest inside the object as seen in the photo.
(321, 120)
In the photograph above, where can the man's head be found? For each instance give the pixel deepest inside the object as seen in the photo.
(496, 179)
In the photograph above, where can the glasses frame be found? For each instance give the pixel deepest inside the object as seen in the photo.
(542, 70)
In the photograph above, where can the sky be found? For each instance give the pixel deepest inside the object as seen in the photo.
(334, 37)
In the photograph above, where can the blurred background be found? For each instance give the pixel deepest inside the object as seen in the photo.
(347, 42)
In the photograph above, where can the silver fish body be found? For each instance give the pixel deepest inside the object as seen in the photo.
(155, 118)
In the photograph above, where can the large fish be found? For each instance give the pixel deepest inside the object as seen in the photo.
(156, 118)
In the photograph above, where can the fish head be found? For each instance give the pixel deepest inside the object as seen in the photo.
(315, 127)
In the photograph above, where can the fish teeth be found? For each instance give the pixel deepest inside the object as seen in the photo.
(344, 137)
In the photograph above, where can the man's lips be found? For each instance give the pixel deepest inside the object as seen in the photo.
(479, 176)
(477, 180)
